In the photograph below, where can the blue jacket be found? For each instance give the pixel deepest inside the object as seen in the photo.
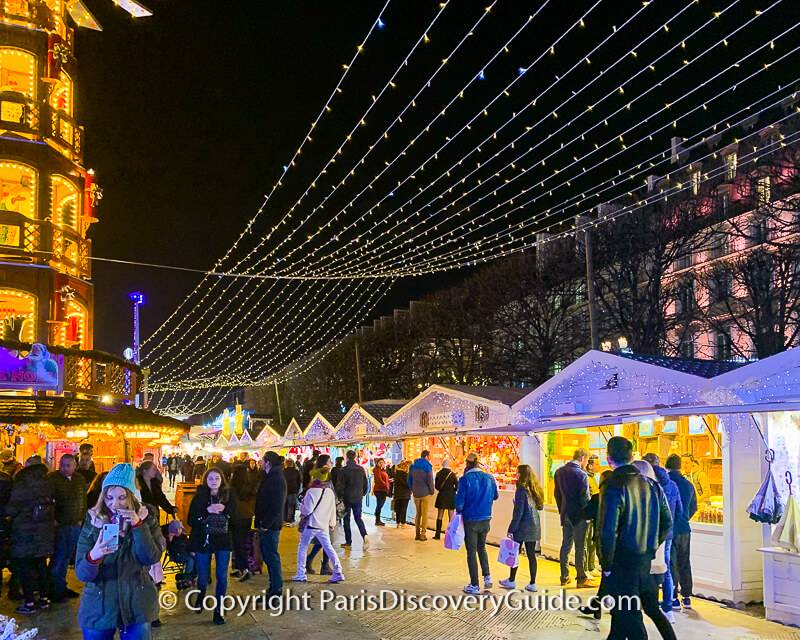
(672, 494)
(477, 490)
(420, 478)
(688, 500)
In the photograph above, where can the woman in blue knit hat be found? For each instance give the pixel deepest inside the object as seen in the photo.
(119, 594)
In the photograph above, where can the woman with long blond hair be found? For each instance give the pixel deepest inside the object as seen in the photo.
(525, 527)
(119, 595)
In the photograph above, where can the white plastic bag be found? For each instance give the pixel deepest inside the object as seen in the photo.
(658, 565)
(509, 552)
(454, 536)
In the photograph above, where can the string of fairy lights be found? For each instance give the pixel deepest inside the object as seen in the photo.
(290, 300)
(390, 235)
(209, 309)
(420, 267)
(327, 108)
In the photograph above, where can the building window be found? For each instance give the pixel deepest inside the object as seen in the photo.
(686, 347)
(17, 315)
(731, 163)
(580, 293)
(18, 72)
(764, 190)
(61, 98)
(64, 202)
(73, 331)
(555, 368)
(759, 232)
(695, 178)
(685, 300)
(719, 245)
(719, 287)
(18, 189)
(723, 346)
(685, 260)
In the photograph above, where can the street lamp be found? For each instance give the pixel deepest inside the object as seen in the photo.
(137, 298)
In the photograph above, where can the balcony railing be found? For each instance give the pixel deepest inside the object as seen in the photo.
(25, 116)
(43, 243)
(92, 373)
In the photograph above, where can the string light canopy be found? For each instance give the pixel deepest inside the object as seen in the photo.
(445, 182)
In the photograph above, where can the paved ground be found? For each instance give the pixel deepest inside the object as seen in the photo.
(395, 561)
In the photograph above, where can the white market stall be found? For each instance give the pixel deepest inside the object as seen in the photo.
(448, 421)
(765, 396)
(360, 430)
(664, 406)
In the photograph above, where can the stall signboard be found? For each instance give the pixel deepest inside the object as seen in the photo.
(40, 370)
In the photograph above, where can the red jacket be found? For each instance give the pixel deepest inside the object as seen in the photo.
(381, 481)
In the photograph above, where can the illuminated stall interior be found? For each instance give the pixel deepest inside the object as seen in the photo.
(699, 446)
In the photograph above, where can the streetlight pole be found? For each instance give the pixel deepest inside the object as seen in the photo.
(590, 292)
(358, 373)
(137, 298)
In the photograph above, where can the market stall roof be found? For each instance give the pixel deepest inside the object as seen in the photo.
(448, 409)
(74, 412)
(364, 421)
(322, 426)
(695, 366)
(294, 431)
(601, 386)
(772, 379)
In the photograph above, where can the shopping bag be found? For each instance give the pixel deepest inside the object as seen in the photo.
(454, 536)
(509, 552)
(658, 565)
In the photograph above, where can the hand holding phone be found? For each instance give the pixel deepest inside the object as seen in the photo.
(107, 542)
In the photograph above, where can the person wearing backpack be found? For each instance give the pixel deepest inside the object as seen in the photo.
(211, 512)
(446, 485)
(32, 511)
(317, 520)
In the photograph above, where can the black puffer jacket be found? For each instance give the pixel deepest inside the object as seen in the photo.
(200, 540)
(31, 508)
(352, 483)
(70, 495)
(633, 518)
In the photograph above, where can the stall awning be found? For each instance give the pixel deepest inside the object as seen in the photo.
(74, 412)
(758, 407)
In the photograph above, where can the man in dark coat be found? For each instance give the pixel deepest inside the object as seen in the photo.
(86, 464)
(680, 556)
(308, 465)
(270, 509)
(353, 486)
(633, 520)
(32, 530)
(572, 496)
(69, 491)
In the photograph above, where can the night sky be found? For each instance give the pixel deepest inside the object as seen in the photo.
(190, 114)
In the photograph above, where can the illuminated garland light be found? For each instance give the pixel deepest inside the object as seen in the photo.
(419, 248)
(391, 83)
(510, 145)
(407, 229)
(413, 140)
(326, 108)
(350, 319)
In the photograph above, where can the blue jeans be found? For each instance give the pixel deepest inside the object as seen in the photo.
(66, 543)
(356, 509)
(667, 588)
(203, 560)
(139, 631)
(269, 551)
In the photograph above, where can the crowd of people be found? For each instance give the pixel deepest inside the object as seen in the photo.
(629, 528)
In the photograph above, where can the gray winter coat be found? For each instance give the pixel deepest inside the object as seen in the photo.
(525, 525)
(119, 591)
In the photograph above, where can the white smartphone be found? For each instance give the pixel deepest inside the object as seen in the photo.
(110, 534)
